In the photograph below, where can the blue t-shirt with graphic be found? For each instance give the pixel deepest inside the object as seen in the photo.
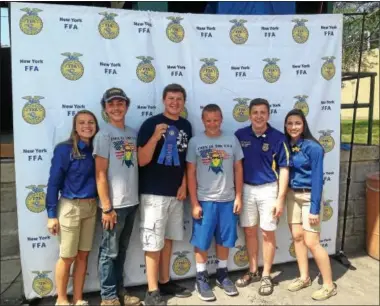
(164, 174)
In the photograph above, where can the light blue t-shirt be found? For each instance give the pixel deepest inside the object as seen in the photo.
(214, 158)
(119, 147)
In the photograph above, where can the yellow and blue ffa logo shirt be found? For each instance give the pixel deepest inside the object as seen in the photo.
(307, 170)
(263, 155)
(73, 177)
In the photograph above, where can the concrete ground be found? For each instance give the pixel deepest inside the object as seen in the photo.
(359, 287)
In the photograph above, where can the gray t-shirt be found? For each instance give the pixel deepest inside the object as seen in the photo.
(214, 158)
(119, 147)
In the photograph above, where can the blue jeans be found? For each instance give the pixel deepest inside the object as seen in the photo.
(112, 253)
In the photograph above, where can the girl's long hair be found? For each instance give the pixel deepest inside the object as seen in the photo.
(306, 134)
(74, 137)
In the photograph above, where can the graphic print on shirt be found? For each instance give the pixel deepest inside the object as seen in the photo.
(125, 151)
(213, 157)
(175, 141)
(182, 141)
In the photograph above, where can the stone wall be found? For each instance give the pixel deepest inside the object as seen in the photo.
(10, 252)
(365, 160)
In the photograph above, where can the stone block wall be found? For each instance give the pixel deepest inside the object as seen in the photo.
(10, 264)
(365, 161)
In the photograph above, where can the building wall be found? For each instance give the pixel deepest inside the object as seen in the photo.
(349, 90)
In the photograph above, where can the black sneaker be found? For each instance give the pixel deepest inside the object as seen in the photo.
(154, 298)
(224, 282)
(173, 289)
(202, 286)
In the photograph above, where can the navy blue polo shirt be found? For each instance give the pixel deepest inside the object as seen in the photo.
(263, 155)
(306, 171)
(72, 177)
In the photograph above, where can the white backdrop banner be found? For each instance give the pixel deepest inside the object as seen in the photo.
(65, 57)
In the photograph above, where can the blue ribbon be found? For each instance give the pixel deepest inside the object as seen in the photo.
(169, 151)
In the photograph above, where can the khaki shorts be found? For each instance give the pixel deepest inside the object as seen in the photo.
(298, 205)
(258, 202)
(161, 218)
(77, 220)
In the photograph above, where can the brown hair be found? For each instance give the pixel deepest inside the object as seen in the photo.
(174, 88)
(212, 108)
(259, 101)
(74, 138)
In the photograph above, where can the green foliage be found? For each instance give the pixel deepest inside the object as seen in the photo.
(352, 30)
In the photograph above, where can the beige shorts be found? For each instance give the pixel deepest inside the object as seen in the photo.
(298, 206)
(77, 220)
(161, 218)
(258, 202)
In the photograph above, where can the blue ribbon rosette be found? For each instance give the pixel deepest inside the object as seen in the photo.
(169, 151)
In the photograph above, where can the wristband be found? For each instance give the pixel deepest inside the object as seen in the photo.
(107, 211)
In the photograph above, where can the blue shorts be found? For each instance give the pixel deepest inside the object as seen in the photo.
(218, 221)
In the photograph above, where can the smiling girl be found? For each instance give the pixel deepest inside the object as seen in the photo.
(303, 202)
(72, 215)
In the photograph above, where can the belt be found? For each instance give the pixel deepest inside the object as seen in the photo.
(252, 184)
(261, 184)
(302, 190)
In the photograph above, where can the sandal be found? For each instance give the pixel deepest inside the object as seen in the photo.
(266, 283)
(248, 278)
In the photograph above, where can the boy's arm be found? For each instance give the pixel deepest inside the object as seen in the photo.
(101, 168)
(146, 148)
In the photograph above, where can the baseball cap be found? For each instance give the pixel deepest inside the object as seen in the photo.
(115, 93)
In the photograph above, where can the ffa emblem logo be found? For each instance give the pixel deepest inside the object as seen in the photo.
(35, 200)
(300, 32)
(265, 147)
(31, 23)
(71, 68)
(271, 71)
(175, 31)
(326, 140)
(105, 116)
(184, 113)
(124, 151)
(33, 112)
(241, 256)
(239, 33)
(292, 250)
(108, 27)
(145, 70)
(241, 110)
(42, 284)
(327, 210)
(296, 149)
(209, 73)
(328, 67)
(301, 104)
(181, 264)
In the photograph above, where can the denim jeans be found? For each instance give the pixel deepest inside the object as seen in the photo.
(112, 253)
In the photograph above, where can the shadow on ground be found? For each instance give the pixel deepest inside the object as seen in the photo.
(359, 287)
